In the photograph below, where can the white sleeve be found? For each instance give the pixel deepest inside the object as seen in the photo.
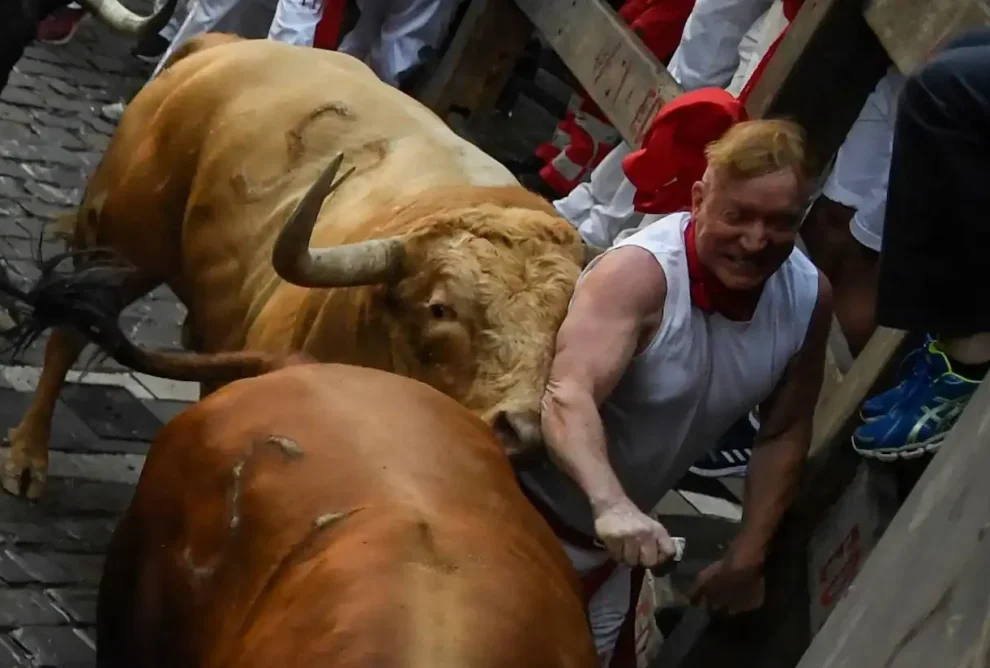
(602, 207)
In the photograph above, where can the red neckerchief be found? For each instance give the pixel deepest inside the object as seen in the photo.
(710, 294)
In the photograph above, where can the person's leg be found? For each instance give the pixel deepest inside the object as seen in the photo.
(365, 33)
(708, 54)
(203, 16)
(410, 26)
(608, 606)
(844, 227)
(935, 245)
(755, 44)
(295, 21)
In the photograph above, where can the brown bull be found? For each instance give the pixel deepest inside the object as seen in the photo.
(429, 260)
(297, 520)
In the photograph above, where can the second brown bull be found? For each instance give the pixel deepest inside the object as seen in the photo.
(428, 260)
(329, 515)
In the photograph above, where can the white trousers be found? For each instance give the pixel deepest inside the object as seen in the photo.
(389, 34)
(609, 605)
(174, 23)
(239, 16)
(859, 177)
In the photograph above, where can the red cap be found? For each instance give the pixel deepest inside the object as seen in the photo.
(673, 155)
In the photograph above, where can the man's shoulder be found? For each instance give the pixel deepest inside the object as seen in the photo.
(653, 226)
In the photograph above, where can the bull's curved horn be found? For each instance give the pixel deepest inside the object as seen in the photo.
(120, 18)
(591, 252)
(364, 263)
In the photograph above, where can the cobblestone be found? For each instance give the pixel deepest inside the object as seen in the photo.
(51, 551)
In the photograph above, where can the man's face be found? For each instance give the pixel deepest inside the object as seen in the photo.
(745, 229)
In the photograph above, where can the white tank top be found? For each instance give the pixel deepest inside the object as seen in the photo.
(699, 374)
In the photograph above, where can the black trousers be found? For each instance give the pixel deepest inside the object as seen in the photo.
(935, 255)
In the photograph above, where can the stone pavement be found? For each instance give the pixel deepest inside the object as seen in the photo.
(51, 138)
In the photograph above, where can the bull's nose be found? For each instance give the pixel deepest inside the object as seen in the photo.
(518, 430)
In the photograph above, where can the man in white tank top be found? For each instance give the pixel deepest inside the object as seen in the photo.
(672, 335)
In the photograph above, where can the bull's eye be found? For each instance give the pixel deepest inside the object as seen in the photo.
(441, 312)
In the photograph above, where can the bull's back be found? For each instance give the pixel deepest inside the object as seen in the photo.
(211, 156)
(338, 515)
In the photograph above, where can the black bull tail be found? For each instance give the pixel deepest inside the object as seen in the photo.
(85, 298)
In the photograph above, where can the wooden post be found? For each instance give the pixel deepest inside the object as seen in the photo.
(826, 65)
(923, 598)
(479, 61)
(619, 73)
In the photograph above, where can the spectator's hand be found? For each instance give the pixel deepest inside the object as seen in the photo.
(633, 537)
(731, 585)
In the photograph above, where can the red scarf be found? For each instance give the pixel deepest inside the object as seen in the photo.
(710, 294)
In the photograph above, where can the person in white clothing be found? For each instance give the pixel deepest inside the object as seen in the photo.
(845, 224)
(672, 335)
(391, 35)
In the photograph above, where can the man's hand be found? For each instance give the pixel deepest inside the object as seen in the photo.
(633, 537)
(734, 584)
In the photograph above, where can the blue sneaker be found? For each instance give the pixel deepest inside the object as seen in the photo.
(928, 407)
(915, 363)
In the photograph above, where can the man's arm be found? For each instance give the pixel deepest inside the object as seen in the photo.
(612, 308)
(735, 583)
(781, 447)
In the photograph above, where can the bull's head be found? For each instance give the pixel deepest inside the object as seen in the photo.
(471, 298)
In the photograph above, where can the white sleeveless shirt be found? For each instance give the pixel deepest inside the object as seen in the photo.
(700, 373)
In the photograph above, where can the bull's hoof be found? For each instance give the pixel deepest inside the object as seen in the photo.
(23, 475)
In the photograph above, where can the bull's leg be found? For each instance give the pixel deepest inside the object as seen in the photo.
(25, 471)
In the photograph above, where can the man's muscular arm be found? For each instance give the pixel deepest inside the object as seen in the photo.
(612, 308)
(786, 423)
(779, 453)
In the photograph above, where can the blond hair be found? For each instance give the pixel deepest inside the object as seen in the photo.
(754, 148)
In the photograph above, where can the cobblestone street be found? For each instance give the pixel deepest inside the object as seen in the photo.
(51, 137)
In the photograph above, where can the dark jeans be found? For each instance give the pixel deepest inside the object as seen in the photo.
(935, 256)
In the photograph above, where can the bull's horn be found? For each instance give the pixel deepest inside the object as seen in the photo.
(123, 20)
(364, 263)
(591, 252)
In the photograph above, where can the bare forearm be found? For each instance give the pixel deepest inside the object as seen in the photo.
(575, 439)
(771, 485)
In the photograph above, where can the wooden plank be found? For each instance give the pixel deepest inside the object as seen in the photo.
(825, 67)
(823, 70)
(479, 60)
(616, 69)
(923, 597)
(910, 30)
